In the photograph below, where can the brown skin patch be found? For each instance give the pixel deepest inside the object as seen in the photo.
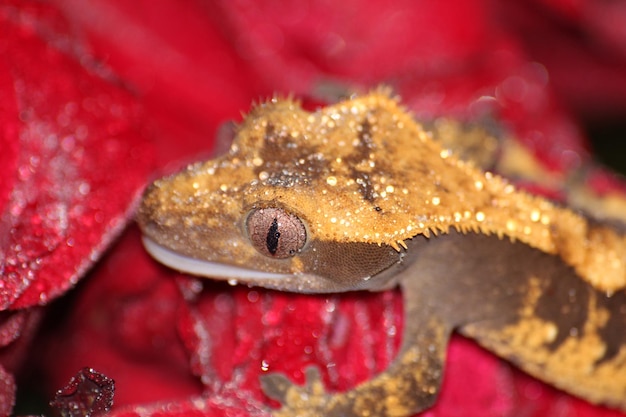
(567, 299)
(613, 332)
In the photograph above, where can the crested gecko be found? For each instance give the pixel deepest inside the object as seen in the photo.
(357, 196)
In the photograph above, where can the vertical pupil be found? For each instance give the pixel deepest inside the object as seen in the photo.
(273, 235)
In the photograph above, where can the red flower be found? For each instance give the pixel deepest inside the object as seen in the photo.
(94, 96)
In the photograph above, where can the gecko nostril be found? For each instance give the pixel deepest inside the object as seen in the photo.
(275, 232)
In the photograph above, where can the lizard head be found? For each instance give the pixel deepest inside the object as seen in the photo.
(327, 201)
(307, 201)
(302, 201)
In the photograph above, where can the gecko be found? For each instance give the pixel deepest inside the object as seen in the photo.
(357, 196)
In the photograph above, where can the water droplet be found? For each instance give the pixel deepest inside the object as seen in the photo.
(253, 296)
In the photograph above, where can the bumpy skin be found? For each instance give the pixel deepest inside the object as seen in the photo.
(358, 196)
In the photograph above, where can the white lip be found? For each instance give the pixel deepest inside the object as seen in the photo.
(205, 268)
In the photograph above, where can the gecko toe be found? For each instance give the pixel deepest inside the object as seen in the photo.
(307, 400)
(275, 386)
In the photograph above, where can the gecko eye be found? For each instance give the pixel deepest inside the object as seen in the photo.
(276, 233)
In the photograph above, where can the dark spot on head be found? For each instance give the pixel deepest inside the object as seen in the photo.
(269, 132)
(365, 185)
(361, 153)
(288, 160)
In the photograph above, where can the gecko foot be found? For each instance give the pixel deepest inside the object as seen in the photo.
(308, 400)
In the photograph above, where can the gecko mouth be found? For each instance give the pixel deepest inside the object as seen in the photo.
(208, 269)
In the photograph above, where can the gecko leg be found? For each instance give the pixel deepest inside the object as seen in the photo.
(410, 384)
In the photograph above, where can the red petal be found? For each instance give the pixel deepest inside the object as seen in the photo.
(81, 161)
(582, 43)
